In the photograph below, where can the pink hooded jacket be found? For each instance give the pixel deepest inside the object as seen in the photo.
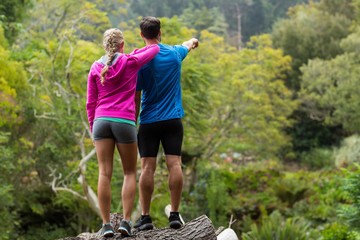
(116, 98)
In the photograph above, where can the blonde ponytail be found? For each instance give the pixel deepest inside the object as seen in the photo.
(113, 39)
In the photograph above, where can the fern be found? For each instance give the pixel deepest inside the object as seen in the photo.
(275, 227)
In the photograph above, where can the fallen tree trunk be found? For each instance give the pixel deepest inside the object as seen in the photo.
(200, 228)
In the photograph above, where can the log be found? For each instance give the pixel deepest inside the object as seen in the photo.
(200, 228)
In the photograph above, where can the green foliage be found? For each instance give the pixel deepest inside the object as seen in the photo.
(46, 126)
(350, 212)
(256, 189)
(315, 33)
(308, 134)
(211, 194)
(356, 5)
(13, 90)
(262, 188)
(7, 214)
(350, 43)
(157, 8)
(324, 196)
(47, 231)
(250, 188)
(12, 85)
(347, 9)
(255, 103)
(291, 190)
(349, 152)
(217, 198)
(217, 16)
(205, 19)
(12, 12)
(235, 101)
(258, 176)
(337, 231)
(275, 227)
(322, 81)
(3, 40)
(318, 158)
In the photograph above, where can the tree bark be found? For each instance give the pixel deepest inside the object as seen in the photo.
(200, 228)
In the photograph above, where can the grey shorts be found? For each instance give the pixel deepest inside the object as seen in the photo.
(121, 132)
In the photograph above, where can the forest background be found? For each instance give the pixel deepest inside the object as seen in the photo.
(272, 102)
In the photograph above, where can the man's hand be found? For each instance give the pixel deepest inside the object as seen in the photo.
(195, 43)
(191, 44)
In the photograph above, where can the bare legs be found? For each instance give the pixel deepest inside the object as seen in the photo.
(146, 183)
(105, 155)
(128, 154)
(175, 180)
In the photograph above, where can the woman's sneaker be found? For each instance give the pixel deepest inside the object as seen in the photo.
(125, 228)
(106, 230)
(144, 223)
(174, 220)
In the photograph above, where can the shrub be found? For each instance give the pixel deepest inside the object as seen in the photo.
(349, 152)
(337, 231)
(291, 190)
(276, 227)
(351, 211)
(318, 158)
(211, 194)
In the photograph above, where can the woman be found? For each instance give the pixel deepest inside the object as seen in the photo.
(111, 113)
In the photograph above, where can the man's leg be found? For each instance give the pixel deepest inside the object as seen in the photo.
(146, 183)
(105, 154)
(148, 143)
(173, 163)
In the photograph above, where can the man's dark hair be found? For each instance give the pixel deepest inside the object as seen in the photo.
(150, 27)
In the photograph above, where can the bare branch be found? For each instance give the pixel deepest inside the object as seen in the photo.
(70, 191)
(67, 67)
(46, 115)
(87, 158)
(56, 188)
(231, 221)
(61, 19)
(90, 195)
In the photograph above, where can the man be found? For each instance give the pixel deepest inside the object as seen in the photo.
(160, 119)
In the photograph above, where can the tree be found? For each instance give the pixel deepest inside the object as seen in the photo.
(329, 88)
(157, 8)
(251, 103)
(58, 49)
(13, 88)
(237, 20)
(349, 9)
(205, 19)
(12, 12)
(309, 33)
(312, 31)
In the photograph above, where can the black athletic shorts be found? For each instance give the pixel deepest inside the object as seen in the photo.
(169, 133)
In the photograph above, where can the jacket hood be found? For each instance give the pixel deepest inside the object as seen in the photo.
(116, 67)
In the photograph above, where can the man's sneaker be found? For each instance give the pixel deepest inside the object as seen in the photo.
(125, 228)
(174, 220)
(106, 230)
(144, 223)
